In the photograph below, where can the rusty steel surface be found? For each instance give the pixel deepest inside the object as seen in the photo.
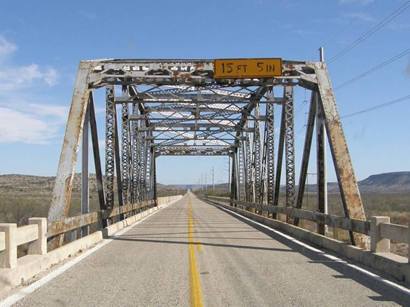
(61, 198)
(67, 224)
(349, 189)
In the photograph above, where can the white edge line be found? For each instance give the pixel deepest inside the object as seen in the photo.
(331, 257)
(14, 298)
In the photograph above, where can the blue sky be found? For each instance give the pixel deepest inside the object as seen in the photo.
(41, 43)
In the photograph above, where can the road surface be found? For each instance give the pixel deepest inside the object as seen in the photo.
(195, 254)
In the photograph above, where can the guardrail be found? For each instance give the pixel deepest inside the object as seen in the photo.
(13, 236)
(39, 231)
(378, 228)
(76, 222)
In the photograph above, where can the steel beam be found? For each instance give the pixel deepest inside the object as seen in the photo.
(270, 153)
(96, 152)
(109, 146)
(289, 147)
(85, 202)
(280, 158)
(125, 153)
(349, 190)
(257, 158)
(321, 167)
(134, 156)
(61, 199)
(248, 168)
(306, 153)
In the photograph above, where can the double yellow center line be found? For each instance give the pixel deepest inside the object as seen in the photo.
(194, 280)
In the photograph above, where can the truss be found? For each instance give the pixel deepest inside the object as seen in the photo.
(178, 107)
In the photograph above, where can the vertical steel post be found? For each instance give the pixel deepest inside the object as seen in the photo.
(257, 157)
(233, 176)
(118, 161)
(264, 162)
(306, 153)
(322, 197)
(270, 151)
(109, 146)
(289, 148)
(245, 168)
(96, 152)
(125, 152)
(147, 168)
(142, 169)
(241, 160)
(155, 179)
(85, 204)
(133, 155)
(248, 167)
(229, 174)
(280, 158)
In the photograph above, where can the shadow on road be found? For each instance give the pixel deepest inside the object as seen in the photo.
(200, 243)
(386, 293)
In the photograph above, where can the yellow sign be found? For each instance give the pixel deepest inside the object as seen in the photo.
(247, 68)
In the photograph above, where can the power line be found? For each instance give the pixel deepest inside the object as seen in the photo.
(374, 68)
(371, 31)
(379, 106)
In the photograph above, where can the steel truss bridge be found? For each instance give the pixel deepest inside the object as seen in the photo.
(243, 250)
(179, 107)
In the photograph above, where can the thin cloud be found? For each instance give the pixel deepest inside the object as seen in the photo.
(21, 127)
(60, 113)
(15, 77)
(6, 47)
(18, 77)
(22, 121)
(359, 2)
(363, 17)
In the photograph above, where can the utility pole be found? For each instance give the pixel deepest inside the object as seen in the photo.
(229, 175)
(213, 179)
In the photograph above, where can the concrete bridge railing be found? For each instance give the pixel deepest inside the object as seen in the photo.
(378, 229)
(14, 269)
(12, 236)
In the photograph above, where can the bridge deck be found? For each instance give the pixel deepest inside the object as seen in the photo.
(210, 256)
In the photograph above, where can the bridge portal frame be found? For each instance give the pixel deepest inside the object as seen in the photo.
(193, 107)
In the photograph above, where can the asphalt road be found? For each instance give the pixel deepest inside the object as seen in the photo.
(193, 253)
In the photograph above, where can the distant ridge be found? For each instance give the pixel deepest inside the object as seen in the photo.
(393, 182)
(386, 182)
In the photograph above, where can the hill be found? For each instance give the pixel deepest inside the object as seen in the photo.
(395, 182)
(23, 196)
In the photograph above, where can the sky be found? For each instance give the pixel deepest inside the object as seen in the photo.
(42, 42)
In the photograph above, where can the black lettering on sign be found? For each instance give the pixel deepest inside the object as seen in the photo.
(270, 68)
(227, 68)
(241, 68)
(259, 66)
